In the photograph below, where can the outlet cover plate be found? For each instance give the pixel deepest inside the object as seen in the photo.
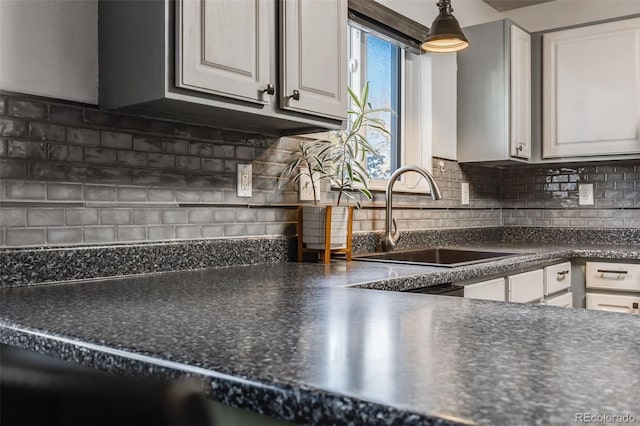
(585, 191)
(244, 180)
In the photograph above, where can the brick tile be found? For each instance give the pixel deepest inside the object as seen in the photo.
(64, 235)
(99, 193)
(99, 118)
(175, 216)
(27, 150)
(115, 216)
(245, 215)
(201, 149)
(117, 175)
(232, 136)
(187, 130)
(26, 190)
(147, 216)
(211, 133)
(50, 132)
(10, 127)
(64, 153)
(211, 196)
(84, 174)
(3, 103)
(161, 160)
(212, 164)
(131, 233)
(10, 216)
(161, 232)
(190, 163)
(25, 237)
(200, 215)
(224, 151)
(212, 231)
(45, 217)
(132, 158)
(116, 140)
(132, 193)
(46, 171)
(65, 115)
(84, 137)
(256, 229)
(175, 146)
(102, 234)
(174, 179)
(235, 230)
(224, 215)
(82, 216)
(64, 191)
(15, 169)
(26, 109)
(187, 231)
(147, 177)
(158, 195)
(245, 153)
(3, 148)
(187, 196)
(129, 122)
(99, 155)
(147, 144)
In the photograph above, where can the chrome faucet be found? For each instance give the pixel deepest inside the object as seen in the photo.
(391, 237)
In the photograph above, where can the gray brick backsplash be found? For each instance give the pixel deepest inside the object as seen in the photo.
(131, 233)
(186, 162)
(28, 150)
(65, 235)
(20, 237)
(131, 193)
(26, 109)
(177, 216)
(175, 146)
(211, 196)
(200, 215)
(100, 193)
(187, 231)
(147, 216)
(201, 149)
(46, 171)
(82, 216)
(99, 155)
(64, 191)
(84, 137)
(45, 217)
(65, 153)
(65, 115)
(212, 164)
(13, 169)
(157, 195)
(115, 216)
(187, 196)
(212, 231)
(102, 234)
(13, 217)
(12, 128)
(116, 140)
(26, 190)
(161, 160)
(149, 144)
(161, 232)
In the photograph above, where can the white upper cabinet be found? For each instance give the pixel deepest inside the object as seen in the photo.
(520, 110)
(210, 60)
(494, 94)
(591, 90)
(314, 57)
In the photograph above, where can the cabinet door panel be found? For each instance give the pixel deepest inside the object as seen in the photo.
(486, 290)
(557, 278)
(223, 47)
(613, 276)
(314, 57)
(588, 110)
(525, 287)
(613, 303)
(520, 93)
(564, 300)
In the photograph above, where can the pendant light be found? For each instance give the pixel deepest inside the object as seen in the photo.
(445, 34)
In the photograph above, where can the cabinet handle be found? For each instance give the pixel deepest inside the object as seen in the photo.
(612, 271)
(270, 90)
(562, 275)
(295, 96)
(519, 148)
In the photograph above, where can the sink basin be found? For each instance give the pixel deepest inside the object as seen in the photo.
(435, 257)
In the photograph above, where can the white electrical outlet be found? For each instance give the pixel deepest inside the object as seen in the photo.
(585, 191)
(244, 180)
(465, 193)
(305, 191)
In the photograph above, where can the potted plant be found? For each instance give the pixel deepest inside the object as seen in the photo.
(340, 160)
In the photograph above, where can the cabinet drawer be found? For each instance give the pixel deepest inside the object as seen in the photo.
(525, 287)
(613, 276)
(565, 300)
(557, 277)
(613, 303)
(486, 290)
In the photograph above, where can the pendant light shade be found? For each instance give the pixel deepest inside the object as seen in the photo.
(445, 34)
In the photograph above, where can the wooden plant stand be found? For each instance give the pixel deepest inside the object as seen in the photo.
(325, 253)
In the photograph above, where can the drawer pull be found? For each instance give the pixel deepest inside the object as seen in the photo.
(562, 275)
(612, 271)
(635, 305)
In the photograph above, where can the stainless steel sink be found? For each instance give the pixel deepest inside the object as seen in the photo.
(435, 257)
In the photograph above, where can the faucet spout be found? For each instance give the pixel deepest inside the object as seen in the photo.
(391, 233)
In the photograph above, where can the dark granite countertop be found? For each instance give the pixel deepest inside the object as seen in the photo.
(299, 342)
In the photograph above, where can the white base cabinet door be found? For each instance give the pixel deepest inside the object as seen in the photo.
(613, 303)
(564, 300)
(486, 290)
(591, 90)
(525, 287)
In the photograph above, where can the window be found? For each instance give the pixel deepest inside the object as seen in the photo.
(394, 74)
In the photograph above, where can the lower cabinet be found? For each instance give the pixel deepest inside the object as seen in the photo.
(549, 286)
(613, 286)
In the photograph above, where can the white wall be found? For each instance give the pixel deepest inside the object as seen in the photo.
(50, 48)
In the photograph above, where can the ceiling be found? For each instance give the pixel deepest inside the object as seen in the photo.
(504, 5)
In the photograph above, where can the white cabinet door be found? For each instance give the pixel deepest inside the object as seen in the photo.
(520, 93)
(564, 300)
(591, 90)
(525, 287)
(223, 47)
(613, 303)
(486, 290)
(314, 57)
